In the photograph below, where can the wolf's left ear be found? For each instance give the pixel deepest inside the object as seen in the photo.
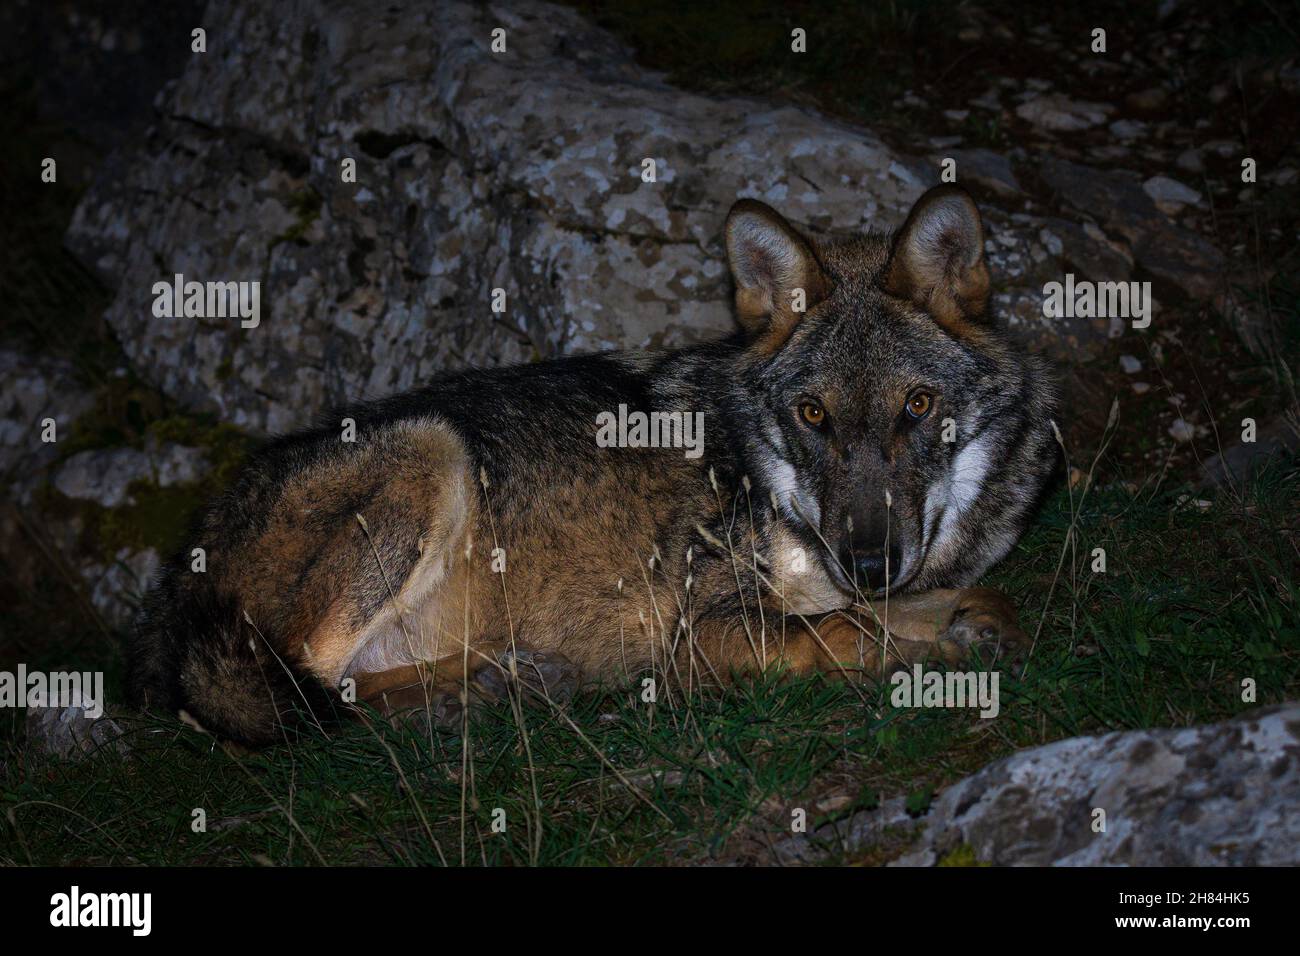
(937, 258)
(778, 277)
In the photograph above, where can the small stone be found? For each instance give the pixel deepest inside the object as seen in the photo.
(1170, 193)
(1141, 388)
(1130, 364)
(832, 803)
(1223, 148)
(68, 732)
(986, 168)
(1128, 129)
(1182, 431)
(1062, 114)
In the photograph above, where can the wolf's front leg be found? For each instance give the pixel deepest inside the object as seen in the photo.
(948, 625)
(869, 641)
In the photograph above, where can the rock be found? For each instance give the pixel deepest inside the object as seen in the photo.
(105, 475)
(475, 171)
(1120, 202)
(1129, 364)
(1128, 129)
(985, 169)
(1225, 794)
(1237, 462)
(1087, 250)
(862, 829)
(1169, 194)
(1181, 430)
(68, 733)
(1021, 257)
(1059, 113)
(1224, 148)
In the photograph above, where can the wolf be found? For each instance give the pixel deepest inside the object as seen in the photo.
(872, 442)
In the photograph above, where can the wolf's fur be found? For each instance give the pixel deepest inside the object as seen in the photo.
(374, 559)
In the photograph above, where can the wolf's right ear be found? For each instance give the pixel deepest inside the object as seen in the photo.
(771, 264)
(937, 258)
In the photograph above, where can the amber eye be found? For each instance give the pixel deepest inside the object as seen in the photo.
(919, 405)
(813, 414)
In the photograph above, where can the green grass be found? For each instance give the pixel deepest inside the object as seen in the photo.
(1193, 601)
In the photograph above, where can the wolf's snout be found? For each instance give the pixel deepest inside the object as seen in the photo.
(872, 568)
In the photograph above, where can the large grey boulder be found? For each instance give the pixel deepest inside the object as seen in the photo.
(1225, 794)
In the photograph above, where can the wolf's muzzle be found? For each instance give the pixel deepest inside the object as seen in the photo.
(873, 568)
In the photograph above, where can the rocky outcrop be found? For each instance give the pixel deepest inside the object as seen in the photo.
(1225, 794)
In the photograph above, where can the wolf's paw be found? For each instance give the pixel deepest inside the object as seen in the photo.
(984, 625)
(547, 675)
(418, 706)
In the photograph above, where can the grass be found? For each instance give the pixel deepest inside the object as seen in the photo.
(1194, 600)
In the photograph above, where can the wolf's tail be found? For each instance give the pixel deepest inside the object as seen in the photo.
(198, 655)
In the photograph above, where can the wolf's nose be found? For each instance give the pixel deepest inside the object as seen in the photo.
(871, 569)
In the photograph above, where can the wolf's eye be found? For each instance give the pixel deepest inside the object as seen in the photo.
(813, 414)
(918, 406)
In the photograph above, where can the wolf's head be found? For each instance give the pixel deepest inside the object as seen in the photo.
(902, 435)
